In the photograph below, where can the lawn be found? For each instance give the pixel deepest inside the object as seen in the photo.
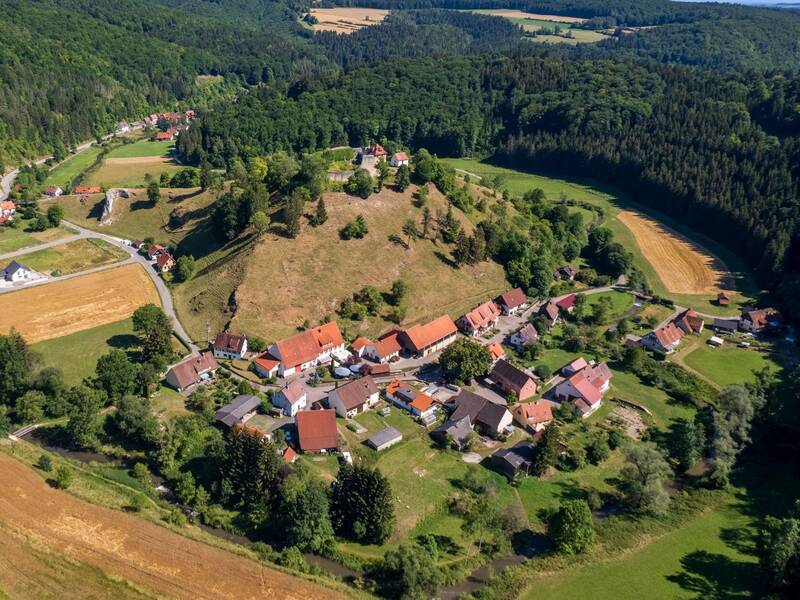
(729, 364)
(628, 387)
(74, 257)
(168, 404)
(131, 172)
(66, 171)
(17, 238)
(76, 354)
(142, 148)
(620, 303)
(612, 201)
(693, 559)
(555, 358)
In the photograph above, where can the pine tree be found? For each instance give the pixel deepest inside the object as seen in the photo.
(321, 215)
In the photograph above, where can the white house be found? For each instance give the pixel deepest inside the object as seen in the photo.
(399, 159)
(54, 191)
(585, 388)
(417, 403)
(354, 397)
(230, 345)
(291, 399)
(16, 272)
(524, 337)
(307, 349)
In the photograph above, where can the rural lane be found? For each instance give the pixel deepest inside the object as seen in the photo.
(134, 257)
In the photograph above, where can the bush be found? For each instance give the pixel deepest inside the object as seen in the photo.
(138, 502)
(63, 478)
(355, 229)
(45, 463)
(571, 527)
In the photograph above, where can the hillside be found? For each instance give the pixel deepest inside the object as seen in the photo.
(277, 283)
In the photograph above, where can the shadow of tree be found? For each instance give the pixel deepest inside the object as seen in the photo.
(445, 259)
(715, 576)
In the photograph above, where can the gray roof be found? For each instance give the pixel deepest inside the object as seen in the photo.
(479, 410)
(727, 324)
(238, 408)
(519, 456)
(390, 434)
(14, 266)
(459, 430)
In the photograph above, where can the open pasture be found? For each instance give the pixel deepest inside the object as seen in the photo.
(142, 148)
(69, 169)
(522, 15)
(683, 266)
(346, 20)
(73, 257)
(129, 172)
(57, 309)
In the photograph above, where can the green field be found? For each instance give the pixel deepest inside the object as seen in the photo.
(142, 148)
(692, 561)
(628, 387)
(74, 257)
(612, 200)
(17, 238)
(729, 364)
(620, 303)
(76, 354)
(73, 166)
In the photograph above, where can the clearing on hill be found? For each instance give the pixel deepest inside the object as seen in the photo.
(63, 307)
(41, 526)
(287, 281)
(129, 172)
(346, 20)
(683, 266)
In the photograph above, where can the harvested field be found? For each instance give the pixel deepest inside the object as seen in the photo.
(129, 172)
(63, 307)
(519, 14)
(346, 20)
(288, 281)
(102, 541)
(683, 266)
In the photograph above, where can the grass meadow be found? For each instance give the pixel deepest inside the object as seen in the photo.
(72, 166)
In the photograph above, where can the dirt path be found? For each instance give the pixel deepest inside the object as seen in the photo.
(123, 546)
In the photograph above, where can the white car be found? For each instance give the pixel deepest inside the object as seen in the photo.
(348, 458)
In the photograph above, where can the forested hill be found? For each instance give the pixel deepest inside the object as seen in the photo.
(687, 142)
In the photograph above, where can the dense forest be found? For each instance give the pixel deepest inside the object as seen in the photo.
(705, 148)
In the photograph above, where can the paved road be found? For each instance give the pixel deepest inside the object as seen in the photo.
(134, 257)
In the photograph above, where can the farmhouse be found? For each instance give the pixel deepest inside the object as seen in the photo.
(725, 325)
(550, 311)
(399, 159)
(755, 321)
(316, 431)
(567, 303)
(512, 462)
(239, 410)
(16, 272)
(383, 439)
(354, 397)
(417, 403)
(266, 365)
(533, 416)
(165, 136)
(291, 398)
(229, 345)
(191, 371)
(155, 250)
(307, 349)
(54, 191)
(585, 388)
(484, 415)
(511, 379)
(723, 299)
(496, 352)
(512, 302)
(481, 318)
(567, 272)
(7, 210)
(385, 349)
(423, 340)
(165, 262)
(689, 321)
(375, 150)
(664, 339)
(524, 337)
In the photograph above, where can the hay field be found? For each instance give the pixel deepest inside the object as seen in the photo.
(119, 548)
(684, 266)
(288, 281)
(63, 307)
(129, 172)
(346, 20)
(519, 14)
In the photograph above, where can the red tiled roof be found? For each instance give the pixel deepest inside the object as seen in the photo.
(229, 342)
(289, 455)
(266, 362)
(294, 391)
(308, 345)
(496, 351)
(566, 302)
(551, 310)
(387, 346)
(360, 343)
(513, 298)
(400, 156)
(668, 334)
(422, 336)
(534, 413)
(761, 318)
(163, 259)
(483, 314)
(316, 430)
(585, 388)
(7, 205)
(87, 189)
(190, 370)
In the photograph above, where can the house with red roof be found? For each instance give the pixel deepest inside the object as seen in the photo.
(307, 349)
(723, 299)
(665, 339)
(354, 397)
(164, 262)
(480, 319)
(399, 159)
(689, 321)
(291, 398)
(266, 365)
(229, 345)
(316, 431)
(7, 210)
(54, 191)
(533, 416)
(567, 272)
(376, 150)
(550, 311)
(411, 399)
(382, 351)
(512, 302)
(424, 340)
(567, 303)
(191, 371)
(513, 379)
(755, 321)
(496, 352)
(585, 388)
